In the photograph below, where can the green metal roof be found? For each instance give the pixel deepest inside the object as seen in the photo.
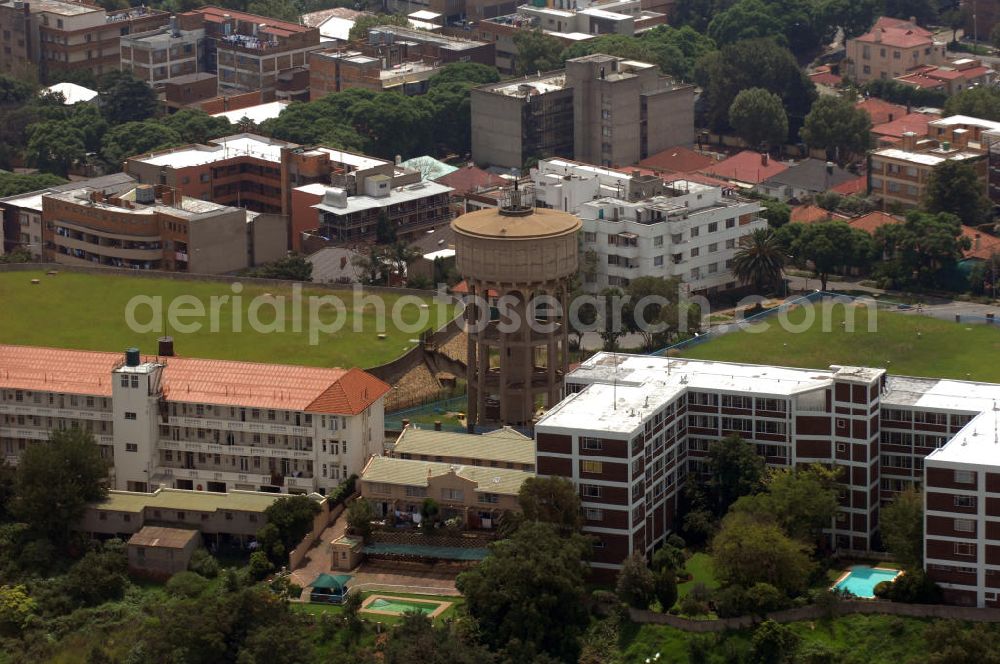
(331, 581)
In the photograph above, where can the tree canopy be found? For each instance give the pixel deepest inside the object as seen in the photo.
(288, 520)
(752, 548)
(551, 500)
(753, 63)
(56, 480)
(658, 311)
(292, 268)
(835, 125)
(758, 117)
(922, 249)
(55, 147)
(830, 246)
(527, 595)
(196, 126)
(735, 470)
(536, 52)
(759, 260)
(956, 188)
(124, 98)
(902, 524)
(132, 138)
(803, 500)
(12, 184)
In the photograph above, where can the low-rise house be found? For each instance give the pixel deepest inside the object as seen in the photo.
(950, 78)
(888, 134)
(223, 518)
(478, 495)
(677, 159)
(804, 179)
(881, 111)
(502, 448)
(746, 169)
(891, 48)
(160, 552)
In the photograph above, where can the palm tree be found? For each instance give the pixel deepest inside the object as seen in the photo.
(759, 260)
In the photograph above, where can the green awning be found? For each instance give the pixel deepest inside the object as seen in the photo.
(333, 582)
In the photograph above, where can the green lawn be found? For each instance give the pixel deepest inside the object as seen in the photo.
(699, 566)
(88, 311)
(908, 344)
(319, 609)
(869, 639)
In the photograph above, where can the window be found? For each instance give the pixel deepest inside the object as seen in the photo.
(731, 243)
(963, 477)
(713, 247)
(489, 498)
(841, 447)
(129, 416)
(594, 514)
(731, 223)
(124, 380)
(694, 231)
(965, 526)
(590, 491)
(841, 423)
(965, 549)
(416, 492)
(589, 237)
(456, 495)
(965, 501)
(658, 261)
(592, 444)
(593, 467)
(131, 447)
(713, 227)
(695, 251)
(658, 241)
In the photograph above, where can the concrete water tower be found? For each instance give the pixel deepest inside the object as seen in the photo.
(510, 257)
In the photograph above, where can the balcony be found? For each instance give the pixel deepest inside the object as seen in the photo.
(45, 411)
(241, 477)
(29, 434)
(238, 425)
(234, 450)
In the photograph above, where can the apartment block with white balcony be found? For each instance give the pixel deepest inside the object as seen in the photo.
(638, 226)
(195, 424)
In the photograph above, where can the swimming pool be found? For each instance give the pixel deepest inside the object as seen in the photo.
(397, 606)
(860, 580)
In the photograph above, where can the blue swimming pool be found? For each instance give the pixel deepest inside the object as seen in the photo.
(861, 580)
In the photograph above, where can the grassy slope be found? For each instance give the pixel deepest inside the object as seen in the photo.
(699, 566)
(869, 639)
(86, 311)
(943, 349)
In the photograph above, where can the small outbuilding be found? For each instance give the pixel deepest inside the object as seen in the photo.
(157, 551)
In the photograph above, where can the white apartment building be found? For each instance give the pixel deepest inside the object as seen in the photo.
(633, 428)
(638, 226)
(186, 423)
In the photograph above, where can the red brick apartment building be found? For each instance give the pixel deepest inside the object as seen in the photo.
(49, 36)
(276, 177)
(632, 428)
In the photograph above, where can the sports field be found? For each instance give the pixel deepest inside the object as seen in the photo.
(906, 344)
(89, 311)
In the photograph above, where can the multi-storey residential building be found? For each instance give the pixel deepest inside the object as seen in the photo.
(634, 428)
(196, 424)
(272, 176)
(991, 141)
(343, 217)
(22, 214)
(638, 226)
(167, 53)
(479, 495)
(518, 119)
(612, 111)
(155, 228)
(249, 51)
(899, 174)
(892, 48)
(949, 78)
(392, 58)
(49, 36)
(569, 22)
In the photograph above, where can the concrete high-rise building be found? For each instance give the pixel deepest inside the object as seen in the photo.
(601, 109)
(516, 254)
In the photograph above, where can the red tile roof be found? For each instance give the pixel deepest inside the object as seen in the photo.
(823, 76)
(216, 15)
(897, 32)
(700, 178)
(221, 382)
(858, 185)
(920, 80)
(984, 245)
(677, 159)
(873, 220)
(809, 214)
(470, 178)
(915, 122)
(881, 111)
(746, 166)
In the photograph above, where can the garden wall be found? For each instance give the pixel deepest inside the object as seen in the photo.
(321, 522)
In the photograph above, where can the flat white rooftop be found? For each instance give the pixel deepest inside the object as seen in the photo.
(257, 113)
(622, 390)
(220, 149)
(410, 192)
